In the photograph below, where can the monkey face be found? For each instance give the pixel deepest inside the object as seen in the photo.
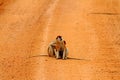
(59, 38)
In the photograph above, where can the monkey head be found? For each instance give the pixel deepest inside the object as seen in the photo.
(59, 38)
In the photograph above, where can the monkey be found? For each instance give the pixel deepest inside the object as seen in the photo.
(61, 51)
(52, 46)
(58, 48)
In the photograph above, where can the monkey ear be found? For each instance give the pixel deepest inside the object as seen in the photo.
(57, 37)
(65, 42)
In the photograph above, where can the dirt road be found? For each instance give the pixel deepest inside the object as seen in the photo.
(90, 27)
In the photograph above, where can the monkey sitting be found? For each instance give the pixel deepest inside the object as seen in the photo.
(58, 48)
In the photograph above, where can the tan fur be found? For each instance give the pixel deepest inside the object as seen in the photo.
(55, 47)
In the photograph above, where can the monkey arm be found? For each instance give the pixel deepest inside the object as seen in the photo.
(53, 44)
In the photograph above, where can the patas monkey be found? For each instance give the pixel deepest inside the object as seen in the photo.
(58, 48)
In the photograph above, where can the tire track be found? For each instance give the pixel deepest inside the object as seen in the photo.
(49, 14)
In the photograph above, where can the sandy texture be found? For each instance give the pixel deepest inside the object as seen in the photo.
(91, 29)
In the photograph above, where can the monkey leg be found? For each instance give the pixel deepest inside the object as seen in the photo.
(51, 51)
(65, 54)
(56, 54)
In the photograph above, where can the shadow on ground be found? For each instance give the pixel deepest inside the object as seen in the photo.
(69, 58)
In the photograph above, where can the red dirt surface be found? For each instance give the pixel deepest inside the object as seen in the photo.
(91, 29)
